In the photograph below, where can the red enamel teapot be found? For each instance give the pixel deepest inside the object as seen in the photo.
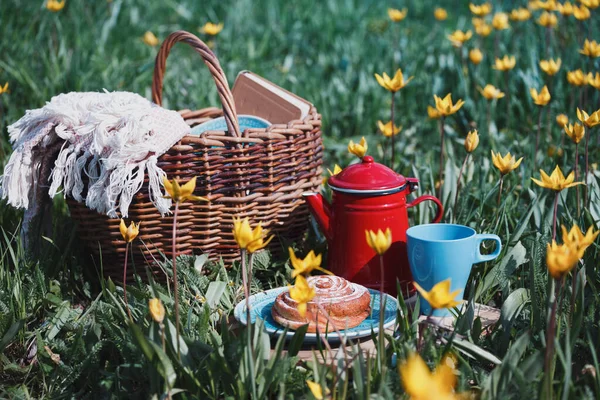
(368, 196)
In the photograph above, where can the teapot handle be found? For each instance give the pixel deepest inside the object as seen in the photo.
(440, 208)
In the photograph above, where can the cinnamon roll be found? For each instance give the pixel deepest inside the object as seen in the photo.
(347, 305)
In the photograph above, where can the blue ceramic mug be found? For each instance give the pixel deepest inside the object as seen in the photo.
(437, 252)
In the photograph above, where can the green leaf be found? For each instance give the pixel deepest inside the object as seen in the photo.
(10, 334)
(297, 340)
(214, 292)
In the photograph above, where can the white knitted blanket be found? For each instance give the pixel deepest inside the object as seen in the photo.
(113, 138)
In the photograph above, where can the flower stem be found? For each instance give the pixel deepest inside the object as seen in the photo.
(554, 216)
(382, 298)
(537, 138)
(125, 280)
(577, 178)
(162, 338)
(175, 284)
(508, 121)
(393, 136)
(550, 334)
(458, 181)
(441, 156)
(245, 278)
(587, 139)
(500, 189)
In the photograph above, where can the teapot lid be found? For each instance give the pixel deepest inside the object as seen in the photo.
(367, 176)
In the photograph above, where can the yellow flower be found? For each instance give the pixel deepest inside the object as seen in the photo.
(54, 5)
(480, 10)
(386, 129)
(491, 92)
(393, 84)
(433, 113)
(471, 141)
(578, 77)
(549, 5)
(581, 13)
(129, 233)
(150, 39)
(315, 389)
(593, 81)
(247, 238)
(483, 30)
(591, 49)
(552, 151)
(505, 164)
(302, 294)
(589, 120)
(590, 3)
(505, 64)
(445, 106)
(575, 238)
(478, 21)
(358, 149)
(439, 296)
(397, 15)
(440, 14)
(556, 181)
(542, 98)
(547, 19)
(4, 89)
(475, 55)
(562, 120)
(336, 170)
(500, 21)
(565, 9)
(211, 29)
(560, 259)
(380, 242)
(307, 265)
(550, 66)
(181, 193)
(157, 310)
(421, 384)
(458, 37)
(520, 14)
(534, 5)
(575, 132)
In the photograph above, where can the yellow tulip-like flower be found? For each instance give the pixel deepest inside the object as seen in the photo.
(421, 384)
(590, 3)
(520, 14)
(179, 194)
(565, 9)
(560, 259)
(157, 310)
(302, 294)
(480, 10)
(336, 170)
(388, 129)
(505, 164)
(211, 29)
(4, 89)
(440, 14)
(542, 98)
(593, 81)
(589, 120)
(549, 5)
(471, 141)
(556, 181)
(445, 106)
(304, 267)
(315, 389)
(547, 20)
(578, 77)
(550, 67)
(54, 5)
(358, 149)
(393, 84)
(534, 5)
(475, 55)
(150, 39)
(247, 238)
(500, 21)
(380, 242)
(562, 120)
(397, 15)
(478, 21)
(575, 238)
(575, 132)
(581, 13)
(458, 37)
(433, 113)
(439, 296)
(505, 64)
(129, 233)
(591, 49)
(483, 30)
(490, 92)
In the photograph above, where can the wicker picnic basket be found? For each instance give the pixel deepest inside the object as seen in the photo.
(258, 173)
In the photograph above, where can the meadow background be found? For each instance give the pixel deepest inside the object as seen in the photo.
(63, 332)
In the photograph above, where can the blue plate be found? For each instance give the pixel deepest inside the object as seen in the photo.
(261, 304)
(218, 124)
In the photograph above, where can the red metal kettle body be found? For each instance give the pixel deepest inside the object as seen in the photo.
(368, 196)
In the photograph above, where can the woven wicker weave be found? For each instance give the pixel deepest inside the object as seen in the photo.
(260, 173)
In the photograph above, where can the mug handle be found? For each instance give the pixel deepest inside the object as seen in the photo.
(440, 208)
(487, 257)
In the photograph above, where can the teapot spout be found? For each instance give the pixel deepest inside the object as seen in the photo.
(319, 208)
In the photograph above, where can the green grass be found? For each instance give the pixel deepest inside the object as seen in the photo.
(326, 52)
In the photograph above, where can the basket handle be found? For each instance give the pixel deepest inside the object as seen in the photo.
(213, 65)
